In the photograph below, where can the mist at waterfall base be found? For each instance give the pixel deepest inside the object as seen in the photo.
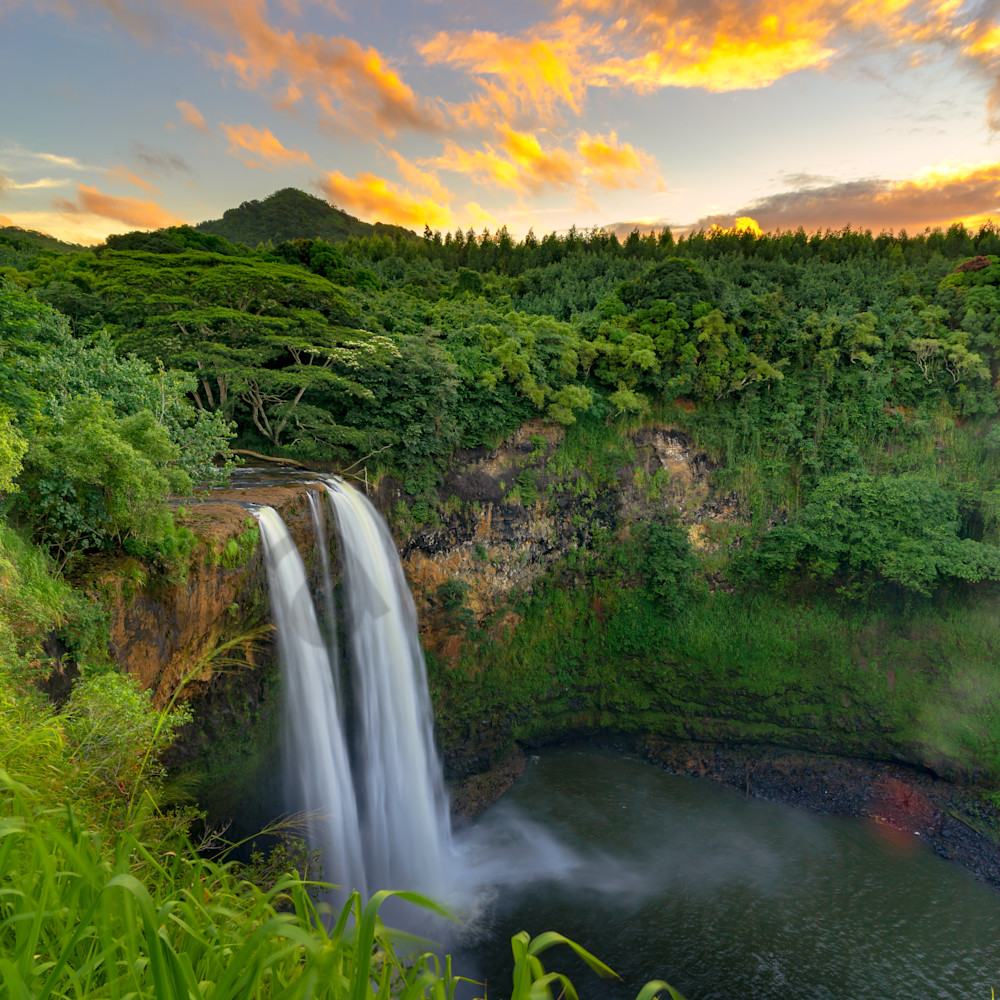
(662, 877)
(725, 898)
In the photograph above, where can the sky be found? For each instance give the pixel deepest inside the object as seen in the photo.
(133, 114)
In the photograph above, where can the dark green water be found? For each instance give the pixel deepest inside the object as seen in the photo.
(674, 878)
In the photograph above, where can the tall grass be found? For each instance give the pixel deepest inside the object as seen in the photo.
(78, 923)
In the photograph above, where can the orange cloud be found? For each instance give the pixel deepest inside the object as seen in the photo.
(375, 198)
(535, 73)
(192, 116)
(257, 147)
(121, 174)
(6, 221)
(350, 83)
(422, 180)
(131, 211)
(520, 164)
(714, 45)
(612, 163)
(939, 197)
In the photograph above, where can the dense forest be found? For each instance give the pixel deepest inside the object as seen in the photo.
(843, 383)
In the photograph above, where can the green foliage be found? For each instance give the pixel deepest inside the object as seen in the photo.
(94, 481)
(238, 551)
(860, 530)
(97, 905)
(116, 735)
(288, 215)
(12, 449)
(669, 566)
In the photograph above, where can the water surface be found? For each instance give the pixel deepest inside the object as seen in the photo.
(676, 878)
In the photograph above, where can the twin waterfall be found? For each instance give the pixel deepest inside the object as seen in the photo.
(360, 754)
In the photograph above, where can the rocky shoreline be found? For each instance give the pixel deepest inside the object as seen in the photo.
(911, 805)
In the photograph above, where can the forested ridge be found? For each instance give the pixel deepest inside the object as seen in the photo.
(844, 385)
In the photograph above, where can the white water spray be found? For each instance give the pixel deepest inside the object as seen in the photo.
(377, 810)
(316, 753)
(405, 826)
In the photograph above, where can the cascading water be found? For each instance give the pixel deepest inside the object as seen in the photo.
(399, 783)
(316, 752)
(328, 612)
(379, 811)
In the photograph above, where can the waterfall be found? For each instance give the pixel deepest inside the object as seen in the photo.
(376, 802)
(317, 764)
(328, 613)
(399, 783)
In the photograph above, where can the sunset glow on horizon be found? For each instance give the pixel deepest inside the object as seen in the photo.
(881, 115)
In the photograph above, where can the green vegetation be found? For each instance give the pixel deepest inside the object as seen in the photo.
(843, 387)
(288, 215)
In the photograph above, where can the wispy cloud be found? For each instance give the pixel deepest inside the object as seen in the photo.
(61, 161)
(131, 211)
(935, 197)
(122, 175)
(258, 147)
(8, 184)
(192, 116)
(376, 198)
(159, 161)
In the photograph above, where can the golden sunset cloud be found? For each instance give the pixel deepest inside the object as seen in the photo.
(131, 211)
(534, 73)
(520, 164)
(374, 198)
(349, 82)
(422, 180)
(934, 197)
(615, 164)
(258, 147)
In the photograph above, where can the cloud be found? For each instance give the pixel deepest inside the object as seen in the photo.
(422, 180)
(159, 161)
(131, 211)
(712, 45)
(936, 197)
(532, 74)
(377, 199)
(8, 184)
(192, 116)
(257, 147)
(61, 161)
(615, 164)
(350, 83)
(518, 163)
(6, 220)
(122, 175)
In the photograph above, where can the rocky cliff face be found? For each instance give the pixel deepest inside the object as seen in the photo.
(510, 514)
(507, 516)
